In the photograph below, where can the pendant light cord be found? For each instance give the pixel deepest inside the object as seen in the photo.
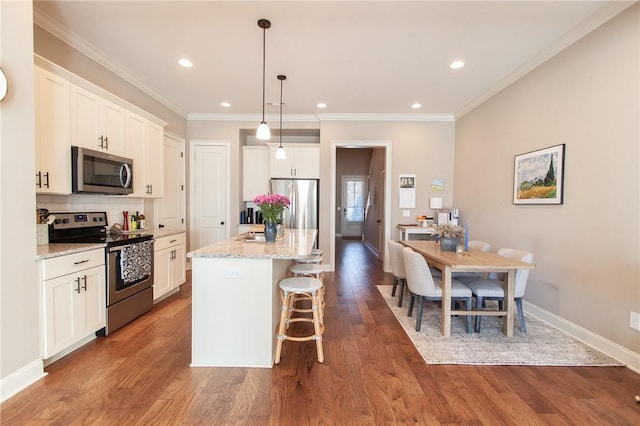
(264, 55)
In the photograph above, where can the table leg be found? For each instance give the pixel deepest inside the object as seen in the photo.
(507, 322)
(446, 301)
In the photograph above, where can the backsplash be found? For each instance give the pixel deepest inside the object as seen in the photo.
(114, 206)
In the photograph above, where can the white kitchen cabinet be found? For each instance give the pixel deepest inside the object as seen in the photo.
(52, 131)
(255, 171)
(145, 147)
(170, 209)
(96, 123)
(169, 265)
(302, 162)
(73, 299)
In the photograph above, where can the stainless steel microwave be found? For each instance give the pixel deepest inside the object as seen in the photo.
(96, 172)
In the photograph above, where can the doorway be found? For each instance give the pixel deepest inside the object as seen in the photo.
(385, 215)
(354, 193)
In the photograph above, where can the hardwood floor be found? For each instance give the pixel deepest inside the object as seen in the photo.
(372, 374)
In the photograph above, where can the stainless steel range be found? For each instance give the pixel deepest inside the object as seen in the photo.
(128, 259)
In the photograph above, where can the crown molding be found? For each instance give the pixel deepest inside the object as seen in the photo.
(92, 53)
(320, 117)
(205, 116)
(386, 117)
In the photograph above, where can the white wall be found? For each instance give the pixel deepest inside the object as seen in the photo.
(20, 363)
(587, 251)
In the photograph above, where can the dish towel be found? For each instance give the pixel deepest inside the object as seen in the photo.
(136, 261)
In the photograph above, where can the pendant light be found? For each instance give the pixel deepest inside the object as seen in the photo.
(263, 132)
(281, 154)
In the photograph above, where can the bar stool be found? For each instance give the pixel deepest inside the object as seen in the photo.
(312, 258)
(313, 271)
(316, 252)
(290, 288)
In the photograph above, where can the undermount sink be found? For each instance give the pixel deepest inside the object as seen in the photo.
(256, 238)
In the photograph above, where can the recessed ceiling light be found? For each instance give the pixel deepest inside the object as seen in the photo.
(185, 63)
(456, 65)
(416, 105)
(321, 105)
(225, 104)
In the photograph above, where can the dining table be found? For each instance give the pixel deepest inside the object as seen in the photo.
(470, 261)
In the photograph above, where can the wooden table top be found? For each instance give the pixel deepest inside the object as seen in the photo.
(476, 260)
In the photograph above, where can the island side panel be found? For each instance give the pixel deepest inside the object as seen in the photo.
(234, 303)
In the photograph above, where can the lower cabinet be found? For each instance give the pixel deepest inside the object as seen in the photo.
(170, 261)
(73, 299)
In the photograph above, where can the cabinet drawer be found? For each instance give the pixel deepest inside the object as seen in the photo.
(68, 264)
(169, 241)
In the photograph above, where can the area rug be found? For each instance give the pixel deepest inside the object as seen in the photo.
(542, 344)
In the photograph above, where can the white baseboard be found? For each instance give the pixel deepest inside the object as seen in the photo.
(629, 358)
(21, 379)
(372, 248)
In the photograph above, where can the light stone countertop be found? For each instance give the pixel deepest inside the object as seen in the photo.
(48, 251)
(297, 244)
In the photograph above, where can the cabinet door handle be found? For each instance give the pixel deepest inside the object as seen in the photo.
(150, 189)
(78, 285)
(106, 143)
(47, 176)
(84, 286)
(172, 241)
(39, 176)
(101, 139)
(81, 262)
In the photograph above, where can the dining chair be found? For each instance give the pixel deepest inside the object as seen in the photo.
(492, 288)
(469, 276)
(423, 286)
(397, 268)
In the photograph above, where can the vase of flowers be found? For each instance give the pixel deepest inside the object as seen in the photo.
(272, 207)
(449, 235)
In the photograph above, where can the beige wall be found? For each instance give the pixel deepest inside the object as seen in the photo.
(19, 338)
(423, 148)
(586, 250)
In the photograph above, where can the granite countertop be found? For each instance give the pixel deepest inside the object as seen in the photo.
(48, 251)
(297, 244)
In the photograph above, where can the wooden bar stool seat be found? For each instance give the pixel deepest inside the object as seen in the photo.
(291, 289)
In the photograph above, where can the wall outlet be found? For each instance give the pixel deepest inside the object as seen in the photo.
(406, 213)
(233, 273)
(634, 320)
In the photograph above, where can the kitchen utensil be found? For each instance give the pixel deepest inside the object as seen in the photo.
(125, 224)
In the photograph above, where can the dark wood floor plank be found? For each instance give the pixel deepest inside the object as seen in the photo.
(372, 374)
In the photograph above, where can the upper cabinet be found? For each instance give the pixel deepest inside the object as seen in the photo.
(96, 123)
(71, 111)
(302, 162)
(145, 147)
(52, 130)
(255, 171)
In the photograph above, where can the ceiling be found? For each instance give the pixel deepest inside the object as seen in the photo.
(369, 58)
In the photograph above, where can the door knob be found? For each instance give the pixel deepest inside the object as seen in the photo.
(222, 223)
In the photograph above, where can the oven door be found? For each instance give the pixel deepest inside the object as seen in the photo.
(119, 283)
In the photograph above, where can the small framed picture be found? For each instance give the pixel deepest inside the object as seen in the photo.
(538, 176)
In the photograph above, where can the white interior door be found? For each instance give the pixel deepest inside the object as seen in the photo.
(209, 193)
(354, 193)
(171, 207)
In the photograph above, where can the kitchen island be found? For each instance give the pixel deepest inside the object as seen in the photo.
(235, 298)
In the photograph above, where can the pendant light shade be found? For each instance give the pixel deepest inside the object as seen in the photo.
(281, 154)
(263, 132)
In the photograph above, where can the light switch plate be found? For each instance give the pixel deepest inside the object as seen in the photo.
(233, 273)
(406, 213)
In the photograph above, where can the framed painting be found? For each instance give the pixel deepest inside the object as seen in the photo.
(538, 176)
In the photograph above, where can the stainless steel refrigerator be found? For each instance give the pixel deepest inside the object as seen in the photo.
(304, 194)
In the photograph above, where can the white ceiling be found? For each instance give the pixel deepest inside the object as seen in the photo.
(359, 57)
